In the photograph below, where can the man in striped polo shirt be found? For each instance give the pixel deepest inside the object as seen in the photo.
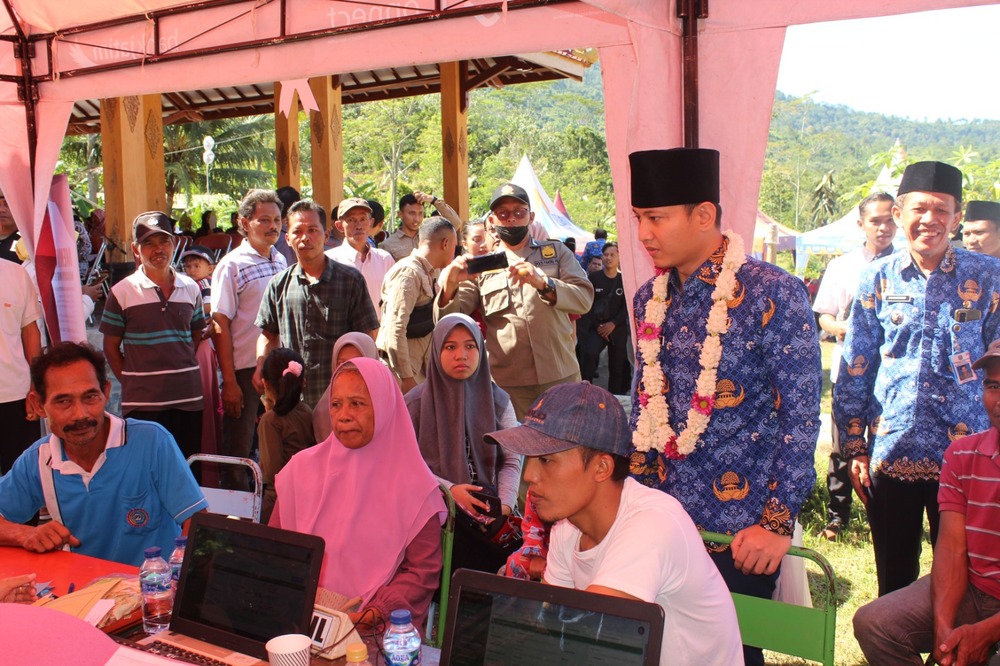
(954, 613)
(152, 324)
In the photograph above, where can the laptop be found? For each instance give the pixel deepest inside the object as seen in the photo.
(495, 621)
(241, 585)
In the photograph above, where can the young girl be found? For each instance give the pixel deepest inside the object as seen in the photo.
(286, 427)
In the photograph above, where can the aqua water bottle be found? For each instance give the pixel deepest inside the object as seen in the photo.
(401, 641)
(157, 592)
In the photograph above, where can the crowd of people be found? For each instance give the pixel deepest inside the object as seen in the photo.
(369, 378)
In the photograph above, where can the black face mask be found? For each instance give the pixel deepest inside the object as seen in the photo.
(511, 235)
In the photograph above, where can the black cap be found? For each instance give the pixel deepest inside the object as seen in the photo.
(674, 177)
(931, 177)
(153, 222)
(378, 212)
(510, 191)
(982, 210)
(199, 251)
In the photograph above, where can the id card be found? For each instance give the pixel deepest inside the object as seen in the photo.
(961, 367)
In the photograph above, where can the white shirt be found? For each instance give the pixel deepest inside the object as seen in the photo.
(238, 285)
(836, 293)
(372, 268)
(18, 308)
(654, 552)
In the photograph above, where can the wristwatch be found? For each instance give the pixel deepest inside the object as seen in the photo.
(548, 289)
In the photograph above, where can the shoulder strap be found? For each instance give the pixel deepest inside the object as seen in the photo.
(46, 477)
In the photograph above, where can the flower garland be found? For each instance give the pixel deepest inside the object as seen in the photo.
(653, 429)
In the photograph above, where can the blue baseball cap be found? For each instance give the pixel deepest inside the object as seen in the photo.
(566, 416)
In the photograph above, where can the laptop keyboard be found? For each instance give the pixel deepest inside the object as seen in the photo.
(180, 654)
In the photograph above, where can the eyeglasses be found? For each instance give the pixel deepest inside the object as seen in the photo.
(519, 214)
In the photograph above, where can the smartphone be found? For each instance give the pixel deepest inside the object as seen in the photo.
(486, 262)
(492, 500)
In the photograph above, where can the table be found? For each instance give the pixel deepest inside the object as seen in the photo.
(62, 567)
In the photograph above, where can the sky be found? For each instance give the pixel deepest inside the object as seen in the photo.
(925, 66)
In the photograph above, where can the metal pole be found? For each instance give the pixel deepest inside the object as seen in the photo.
(689, 11)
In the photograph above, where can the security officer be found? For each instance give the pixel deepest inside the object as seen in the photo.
(526, 306)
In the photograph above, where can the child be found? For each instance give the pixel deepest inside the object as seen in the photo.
(199, 263)
(286, 427)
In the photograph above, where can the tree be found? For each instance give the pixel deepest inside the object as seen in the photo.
(824, 198)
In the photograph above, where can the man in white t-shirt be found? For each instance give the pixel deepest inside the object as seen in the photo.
(833, 305)
(612, 535)
(20, 342)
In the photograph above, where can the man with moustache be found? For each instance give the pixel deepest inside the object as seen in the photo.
(312, 303)
(954, 613)
(354, 221)
(833, 304)
(918, 321)
(152, 324)
(238, 285)
(113, 487)
(526, 306)
(725, 406)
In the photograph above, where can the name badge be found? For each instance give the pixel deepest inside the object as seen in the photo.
(897, 298)
(961, 367)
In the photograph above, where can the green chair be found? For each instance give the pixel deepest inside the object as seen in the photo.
(777, 626)
(434, 632)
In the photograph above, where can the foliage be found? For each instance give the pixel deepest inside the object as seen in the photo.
(808, 139)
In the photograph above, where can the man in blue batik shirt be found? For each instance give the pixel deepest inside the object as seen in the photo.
(739, 456)
(919, 320)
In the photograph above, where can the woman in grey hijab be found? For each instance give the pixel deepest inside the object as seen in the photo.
(454, 408)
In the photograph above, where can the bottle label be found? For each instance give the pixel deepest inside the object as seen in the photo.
(405, 658)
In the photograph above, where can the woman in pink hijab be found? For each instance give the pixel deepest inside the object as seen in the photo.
(367, 491)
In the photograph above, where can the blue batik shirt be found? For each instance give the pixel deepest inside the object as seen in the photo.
(896, 374)
(754, 463)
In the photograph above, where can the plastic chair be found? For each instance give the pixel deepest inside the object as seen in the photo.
(181, 244)
(218, 242)
(440, 608)
(238, 503)
(799, 631)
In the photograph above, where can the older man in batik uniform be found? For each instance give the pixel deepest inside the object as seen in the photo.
(919, 320)
(739, 456)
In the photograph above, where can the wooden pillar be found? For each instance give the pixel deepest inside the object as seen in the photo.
(132, 150)
(286, 141)
(326, 137)
(455, 136)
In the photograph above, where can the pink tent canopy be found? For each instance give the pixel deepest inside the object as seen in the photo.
(248, 41)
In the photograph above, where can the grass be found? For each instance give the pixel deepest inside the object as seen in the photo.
(851, 555)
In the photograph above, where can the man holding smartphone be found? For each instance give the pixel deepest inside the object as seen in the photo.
(526, 306)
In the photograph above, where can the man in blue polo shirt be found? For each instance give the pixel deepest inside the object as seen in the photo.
(113, 487)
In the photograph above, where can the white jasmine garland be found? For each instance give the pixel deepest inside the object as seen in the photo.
(653, 429)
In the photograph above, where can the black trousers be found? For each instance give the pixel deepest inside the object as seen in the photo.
(184, 426)
(838, 482)
(896, 516)
(19, 433)
(619, 367)
(754, 586)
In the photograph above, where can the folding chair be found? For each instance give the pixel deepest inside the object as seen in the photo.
(777, 626)
(434, 632)
(182, 243)
(238, 503)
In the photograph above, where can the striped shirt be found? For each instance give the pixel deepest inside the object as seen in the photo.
(160, 370)
(970, 485)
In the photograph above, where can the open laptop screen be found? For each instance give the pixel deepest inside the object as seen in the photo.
(243, 583)
(495, 620)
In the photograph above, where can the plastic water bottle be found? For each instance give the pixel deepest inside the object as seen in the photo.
(177, 560)
(357, 653)
(157, 594)
(401, 641)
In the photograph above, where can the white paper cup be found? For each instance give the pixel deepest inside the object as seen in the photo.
(289, 650)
